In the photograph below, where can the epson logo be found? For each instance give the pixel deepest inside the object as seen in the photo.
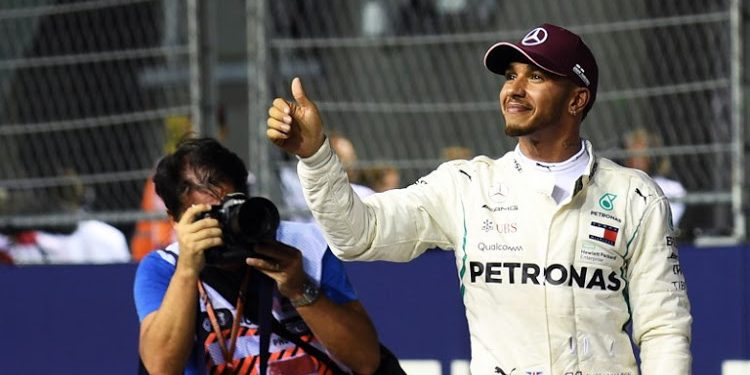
(554, 274)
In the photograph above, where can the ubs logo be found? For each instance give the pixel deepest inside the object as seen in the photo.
(502, 228)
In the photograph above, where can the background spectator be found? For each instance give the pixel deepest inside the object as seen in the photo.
(381, 177)
(637, 143)
(87, 241)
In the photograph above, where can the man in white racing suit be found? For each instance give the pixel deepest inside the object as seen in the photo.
(558, 251)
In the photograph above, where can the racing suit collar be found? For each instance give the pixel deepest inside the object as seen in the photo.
(588, 173)
(562, 180)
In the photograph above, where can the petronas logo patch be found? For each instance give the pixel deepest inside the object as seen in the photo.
(607, 201)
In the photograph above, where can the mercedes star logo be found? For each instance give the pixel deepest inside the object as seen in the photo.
(535, 37)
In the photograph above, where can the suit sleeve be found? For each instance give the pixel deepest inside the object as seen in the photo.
(658, 298)
(396, 225)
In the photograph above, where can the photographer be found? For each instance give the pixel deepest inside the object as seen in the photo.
(184, 297)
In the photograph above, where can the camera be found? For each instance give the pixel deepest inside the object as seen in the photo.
(244, 222)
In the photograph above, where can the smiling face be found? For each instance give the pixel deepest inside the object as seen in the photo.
(533, 100)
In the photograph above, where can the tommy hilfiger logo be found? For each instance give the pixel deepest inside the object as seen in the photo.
(603, 233)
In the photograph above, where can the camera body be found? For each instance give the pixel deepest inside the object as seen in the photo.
(244, 222)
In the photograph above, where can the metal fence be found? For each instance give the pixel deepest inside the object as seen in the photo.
(404, 80)
(91, 91)
(88, 93)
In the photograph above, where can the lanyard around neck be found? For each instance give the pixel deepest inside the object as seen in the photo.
(226, 352)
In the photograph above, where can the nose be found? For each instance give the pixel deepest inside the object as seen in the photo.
(515, 87)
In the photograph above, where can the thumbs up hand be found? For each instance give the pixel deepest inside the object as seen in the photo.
(295, 126)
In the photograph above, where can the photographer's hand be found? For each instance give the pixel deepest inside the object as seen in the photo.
(194, 237)
(167, 335)
(283, 264)
(345, 329)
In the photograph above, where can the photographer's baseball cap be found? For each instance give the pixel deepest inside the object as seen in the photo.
(552, 48)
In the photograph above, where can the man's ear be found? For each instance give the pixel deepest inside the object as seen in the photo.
(172, 216)
(581, 98)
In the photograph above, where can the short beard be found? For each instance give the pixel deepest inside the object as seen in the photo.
(517, 131)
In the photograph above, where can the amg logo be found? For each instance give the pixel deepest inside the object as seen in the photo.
(554, 274)
(501, 208)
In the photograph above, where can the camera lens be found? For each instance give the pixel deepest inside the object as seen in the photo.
(257, 219)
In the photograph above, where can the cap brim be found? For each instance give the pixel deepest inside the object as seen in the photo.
(499, 56)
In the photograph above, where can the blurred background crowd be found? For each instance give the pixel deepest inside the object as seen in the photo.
(94, 92)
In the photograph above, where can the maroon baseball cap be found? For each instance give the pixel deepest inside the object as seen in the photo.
(553, 49)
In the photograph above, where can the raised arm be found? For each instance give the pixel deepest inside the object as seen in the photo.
(396, 225)
(296, 127)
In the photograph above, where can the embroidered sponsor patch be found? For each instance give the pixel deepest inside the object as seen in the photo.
(593, 254)
(603, 233)
(607, 201)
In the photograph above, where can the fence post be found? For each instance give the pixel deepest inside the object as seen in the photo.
(738, 165)
(259, 98)
(202, 63)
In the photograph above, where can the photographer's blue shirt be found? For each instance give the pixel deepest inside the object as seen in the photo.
(156, 269)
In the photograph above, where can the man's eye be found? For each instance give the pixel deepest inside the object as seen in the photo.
(536, 76)
(510, 76)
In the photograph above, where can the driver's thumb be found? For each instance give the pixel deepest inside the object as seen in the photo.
(299, 93)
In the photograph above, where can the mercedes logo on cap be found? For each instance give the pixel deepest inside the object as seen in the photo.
(535, 37)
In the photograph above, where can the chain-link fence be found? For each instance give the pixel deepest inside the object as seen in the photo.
(90, 91)
(405, 81)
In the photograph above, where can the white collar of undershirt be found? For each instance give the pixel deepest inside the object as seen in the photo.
(565, 173)
(577, 162)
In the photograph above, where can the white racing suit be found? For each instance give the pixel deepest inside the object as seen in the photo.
(548, 288)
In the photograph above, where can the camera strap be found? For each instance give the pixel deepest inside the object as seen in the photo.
(265, 316)
(227, 352)
(264, 319)
(280, 330)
